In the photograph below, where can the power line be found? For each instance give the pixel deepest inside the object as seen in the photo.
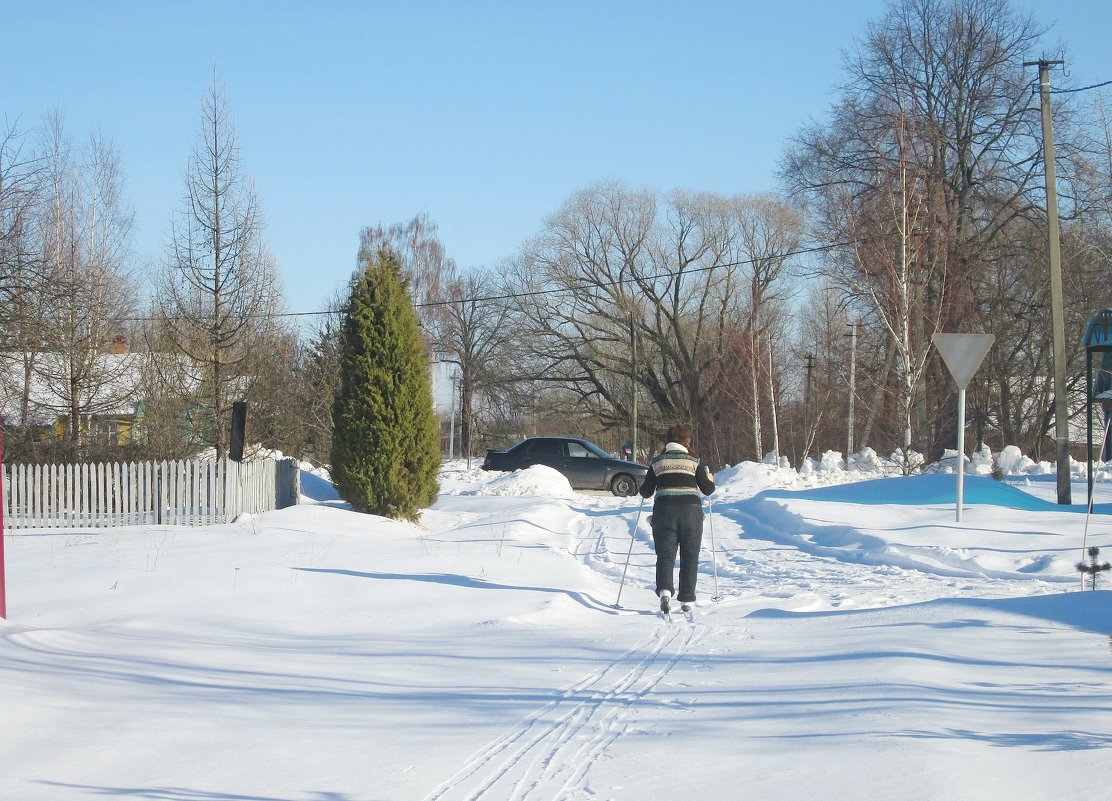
(1080, 88)
(555, 290)
(1035, 83)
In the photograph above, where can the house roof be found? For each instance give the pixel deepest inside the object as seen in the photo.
(117, 392)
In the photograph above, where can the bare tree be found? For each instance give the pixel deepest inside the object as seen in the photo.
(928, 163)
(428, 269)
(219, 292)
(88, 228)
(66, 245)
(22, 271)
(20, 180)
(477, 338)
(761, 233)
(684, 275)
(316, 379)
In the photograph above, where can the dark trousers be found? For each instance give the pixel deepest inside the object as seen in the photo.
(677, 527)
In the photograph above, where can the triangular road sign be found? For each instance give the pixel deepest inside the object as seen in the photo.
(963, 353)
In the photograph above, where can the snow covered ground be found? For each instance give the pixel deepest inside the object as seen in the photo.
(865, 646)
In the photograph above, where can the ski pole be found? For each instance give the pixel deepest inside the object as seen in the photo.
(632, 537)
(713, 554)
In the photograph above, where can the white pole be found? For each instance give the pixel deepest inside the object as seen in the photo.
(961, 449)
(852, 389)
(452, 423)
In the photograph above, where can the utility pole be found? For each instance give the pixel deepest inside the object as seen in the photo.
(633, 388)
(852, 387)
(1057, 307)
(807, 404)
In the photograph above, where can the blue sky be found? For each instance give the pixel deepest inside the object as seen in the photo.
(485, 115)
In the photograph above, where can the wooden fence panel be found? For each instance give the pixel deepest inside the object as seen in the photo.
(144, 493)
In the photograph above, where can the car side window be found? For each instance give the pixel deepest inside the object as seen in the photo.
(577, 451)
(545, 447)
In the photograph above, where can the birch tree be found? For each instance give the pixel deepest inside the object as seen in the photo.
(66, 243)
(425, 264)
(88, 227)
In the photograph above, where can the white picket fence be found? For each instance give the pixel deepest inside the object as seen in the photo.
(191, 493)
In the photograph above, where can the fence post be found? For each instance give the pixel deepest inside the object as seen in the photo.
(293, 482)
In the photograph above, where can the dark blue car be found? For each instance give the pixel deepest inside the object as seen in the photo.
(584, 464)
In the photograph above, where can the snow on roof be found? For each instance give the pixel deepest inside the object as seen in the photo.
(115, 393)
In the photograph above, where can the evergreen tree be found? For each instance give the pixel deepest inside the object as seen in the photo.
(385, 443)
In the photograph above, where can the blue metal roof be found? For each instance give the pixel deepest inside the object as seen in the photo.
(1098, 334)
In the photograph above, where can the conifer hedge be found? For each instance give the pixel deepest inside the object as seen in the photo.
(386, 436)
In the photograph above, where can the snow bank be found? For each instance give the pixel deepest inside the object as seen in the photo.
(927, 490)
(537, 480)
(456, 475)
(747, 478)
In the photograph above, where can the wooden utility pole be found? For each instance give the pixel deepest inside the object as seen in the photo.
(809, 426)
(852, 387)
(1057, 307)
(632, 389)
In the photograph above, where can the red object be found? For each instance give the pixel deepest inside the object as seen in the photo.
(3, 596)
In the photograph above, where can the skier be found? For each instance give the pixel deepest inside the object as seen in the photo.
(677, 476)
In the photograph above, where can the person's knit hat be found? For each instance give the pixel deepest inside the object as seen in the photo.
(680, 433)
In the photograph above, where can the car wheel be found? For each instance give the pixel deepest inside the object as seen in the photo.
(623, 485)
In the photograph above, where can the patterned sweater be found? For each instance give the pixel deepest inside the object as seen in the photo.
(677, 476)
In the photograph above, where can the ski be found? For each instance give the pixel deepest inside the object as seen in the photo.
(666, 617)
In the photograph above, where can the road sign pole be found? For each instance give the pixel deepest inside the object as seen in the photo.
(963, 354)
(961, 450)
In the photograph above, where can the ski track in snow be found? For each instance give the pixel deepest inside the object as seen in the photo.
(550, 753)
(752, 565)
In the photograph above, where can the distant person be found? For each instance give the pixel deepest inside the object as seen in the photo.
(680, 479)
